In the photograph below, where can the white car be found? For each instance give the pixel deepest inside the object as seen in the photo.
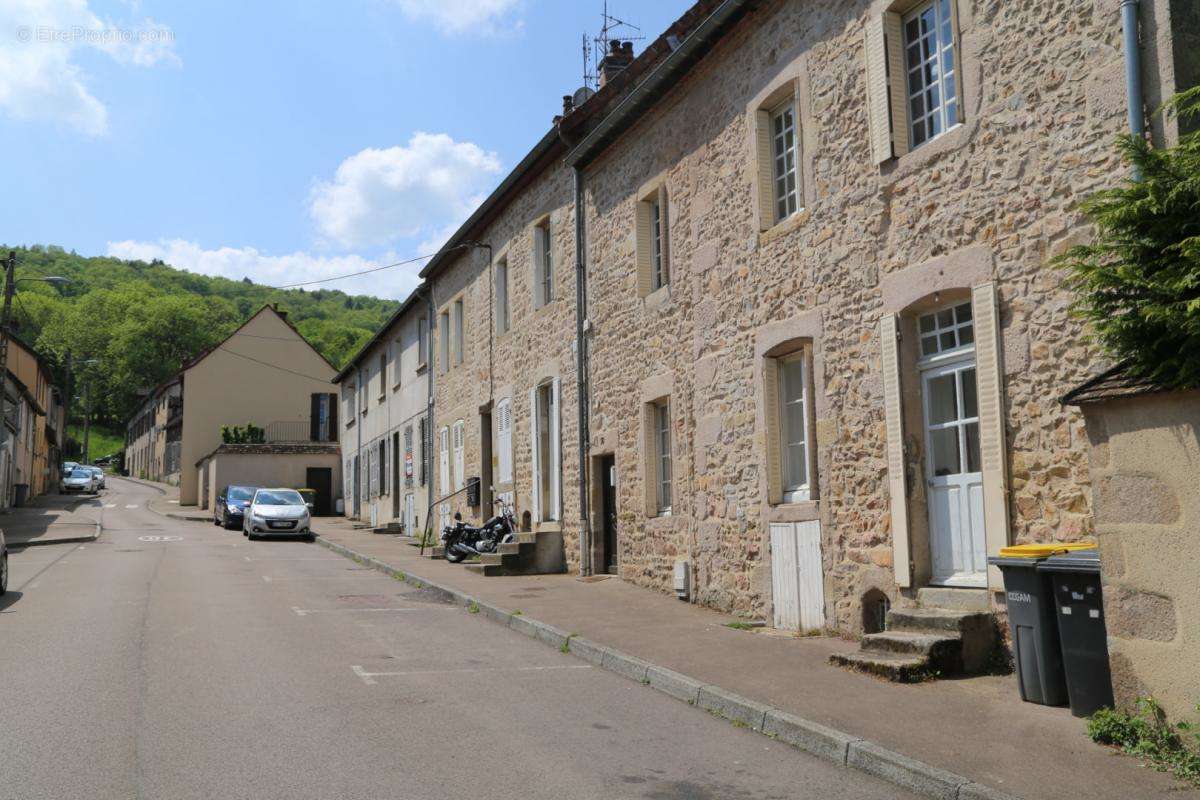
(80, 479)
(277, 512)
(99, 473)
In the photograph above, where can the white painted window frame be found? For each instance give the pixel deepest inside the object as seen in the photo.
(795, 491)
(663, 466)
(785, 161)
(945, 113)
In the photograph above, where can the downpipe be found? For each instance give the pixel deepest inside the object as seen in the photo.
(581, 367)
(1135, 103)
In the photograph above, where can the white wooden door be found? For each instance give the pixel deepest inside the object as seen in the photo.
(954, 474)
(460, 470)
(796, 575)
(504, 435)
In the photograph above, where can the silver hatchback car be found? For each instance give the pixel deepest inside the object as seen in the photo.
(277, 512)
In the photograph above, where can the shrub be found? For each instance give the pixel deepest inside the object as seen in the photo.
(1149, 736)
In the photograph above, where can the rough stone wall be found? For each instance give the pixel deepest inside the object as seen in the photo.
(538, 345)
(1044, 101)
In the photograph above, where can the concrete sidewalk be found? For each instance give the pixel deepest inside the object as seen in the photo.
(975, 727)
(167, 504)
(53, 519)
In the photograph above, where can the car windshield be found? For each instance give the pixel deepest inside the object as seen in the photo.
(96, 470)
(237, 494)
(278, 497)
(80, 473)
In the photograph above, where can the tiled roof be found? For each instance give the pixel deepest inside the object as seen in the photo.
(1109, 385)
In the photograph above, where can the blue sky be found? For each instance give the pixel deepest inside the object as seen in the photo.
(286, 141)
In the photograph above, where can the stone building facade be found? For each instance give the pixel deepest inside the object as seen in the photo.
(824, 336)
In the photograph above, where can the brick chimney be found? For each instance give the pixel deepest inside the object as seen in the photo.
(619, 56)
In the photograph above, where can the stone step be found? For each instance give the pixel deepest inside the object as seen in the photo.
(935, 620)
(437, 551)
(911, 643)
(953, 598)
(486, 569)
(898, 667)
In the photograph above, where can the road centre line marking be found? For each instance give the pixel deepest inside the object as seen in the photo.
(132, 506)
(326, 558)
(110, 505)
(269, 579)
(369, 677)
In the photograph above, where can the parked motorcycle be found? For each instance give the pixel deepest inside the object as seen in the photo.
(461, 540)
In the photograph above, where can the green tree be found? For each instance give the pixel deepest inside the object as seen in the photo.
(1139, 279)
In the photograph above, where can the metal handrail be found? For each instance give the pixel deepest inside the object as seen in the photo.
(429, 513)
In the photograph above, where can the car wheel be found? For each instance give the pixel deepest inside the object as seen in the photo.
(310, 537)
(3, 573)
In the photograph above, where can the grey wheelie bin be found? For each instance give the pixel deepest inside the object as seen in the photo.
(1079, 606)
(1031, 622)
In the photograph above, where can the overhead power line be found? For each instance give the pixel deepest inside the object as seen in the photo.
(273, 366)
(369, 271)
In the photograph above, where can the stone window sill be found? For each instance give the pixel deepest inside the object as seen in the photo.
(659, 299)
(784, 227)
(804, 511)
(551, 526)
(914, 160)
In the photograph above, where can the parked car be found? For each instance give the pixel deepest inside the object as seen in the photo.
(68, 466)
(80, 479)
(277, 512)
(231, 505)
(99, 473)
(3, 564)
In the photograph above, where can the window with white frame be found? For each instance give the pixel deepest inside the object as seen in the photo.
(458, 331)
(444, 341)
(422, 341)
(783, 160)
(662, 454)
(502, 295)
(946, 330)
(543, 264)
(398, 361)
(383, 362)
(793, 428)
(931, 79)
(546, 450)
(444, 461)
(658, 262)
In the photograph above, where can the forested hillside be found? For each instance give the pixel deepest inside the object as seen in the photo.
(141, 320)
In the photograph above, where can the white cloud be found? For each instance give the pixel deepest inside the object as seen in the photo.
(39, 76)
(482, 17)
(418, 190)
(247, 262)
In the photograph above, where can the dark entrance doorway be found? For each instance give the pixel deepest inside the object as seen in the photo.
(396, 475)
(320, 479)
(608, 511)
(485, 465)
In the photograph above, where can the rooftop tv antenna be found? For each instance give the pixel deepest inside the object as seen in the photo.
(594, 48)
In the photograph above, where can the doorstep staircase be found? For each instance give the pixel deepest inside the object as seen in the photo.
(518, 557)
(949, 632)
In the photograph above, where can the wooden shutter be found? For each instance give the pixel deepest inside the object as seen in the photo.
(535, 495)
(444, 461)
(765, 169)
(644, 235)
(555, 465)
(333, 418)
(663, 234)
(460, 479)
(773, 452)
(894, 414)
(650, 458)
(959, 105)
(539, 268)
(878, 109)
(989, 376)
(426, 449)
(811, 575)
(897, 82)
(314, 418)
(504, 435)
(785, 588)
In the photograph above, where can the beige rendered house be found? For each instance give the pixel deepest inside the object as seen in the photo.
(264, 373)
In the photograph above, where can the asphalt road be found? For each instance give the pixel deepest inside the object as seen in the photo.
(176, 660)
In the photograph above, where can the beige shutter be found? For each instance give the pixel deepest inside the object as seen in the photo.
(989, 373)
(766, 169)
(958, 61)
(535, 493)
(663, 233)
(889, 326)
(878, 110)
(774, 456)
(649, 459)
(539, 269)
(897, 82)
(642, 248)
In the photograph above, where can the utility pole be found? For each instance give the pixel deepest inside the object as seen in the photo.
(87, 418)
(9, 284)
(67, 404)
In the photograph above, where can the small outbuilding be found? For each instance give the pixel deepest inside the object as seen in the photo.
(296, 465)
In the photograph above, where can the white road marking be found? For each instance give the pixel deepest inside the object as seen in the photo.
(176, 502)
(369, 677)
(300, 612)
(132, 506)
(326, 558)
(269, 579)
(160, 538)
(110, 505)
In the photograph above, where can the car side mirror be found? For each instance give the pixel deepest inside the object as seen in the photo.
(310, 506)
(245, 504)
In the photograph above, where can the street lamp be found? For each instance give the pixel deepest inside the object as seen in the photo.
(10, 286)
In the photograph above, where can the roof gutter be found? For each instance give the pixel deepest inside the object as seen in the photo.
(662, 77)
